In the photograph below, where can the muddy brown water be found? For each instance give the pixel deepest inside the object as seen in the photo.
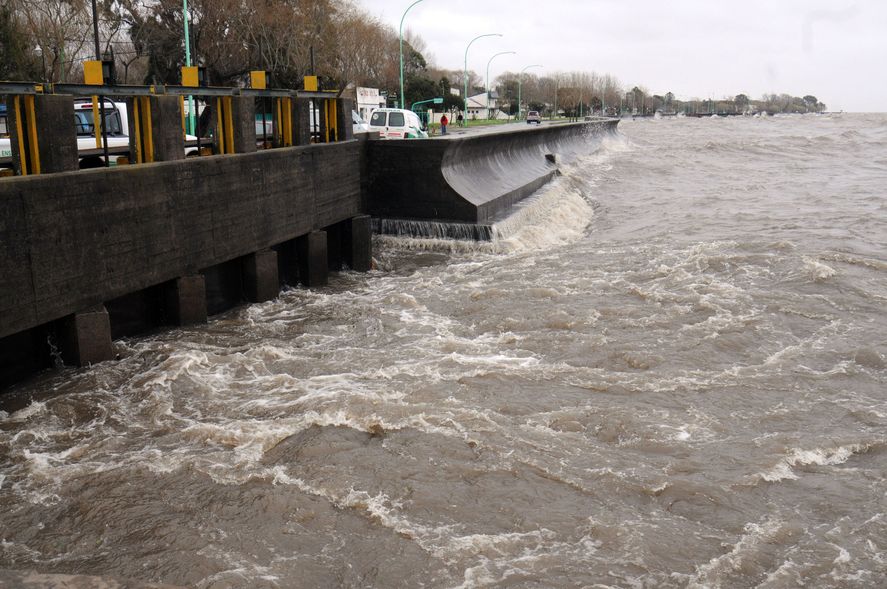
(670, 370)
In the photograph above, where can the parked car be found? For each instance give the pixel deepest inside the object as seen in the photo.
(534, 117)
(396, 123)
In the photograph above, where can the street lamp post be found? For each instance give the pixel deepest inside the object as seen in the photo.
(401, 50)
(488, 75)
(520, 80)
(465, 96)
(191, 129)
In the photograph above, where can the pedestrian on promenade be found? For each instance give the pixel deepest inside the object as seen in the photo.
(461, 120)
(444, 121)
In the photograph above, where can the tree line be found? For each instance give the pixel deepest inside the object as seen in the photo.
(337, 40)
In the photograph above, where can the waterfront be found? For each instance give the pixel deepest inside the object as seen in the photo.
(670, 372)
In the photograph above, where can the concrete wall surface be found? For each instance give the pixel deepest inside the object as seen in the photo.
(72, 240)
(470, 179)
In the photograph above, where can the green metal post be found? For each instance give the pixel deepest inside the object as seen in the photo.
(488, 76)
(520, 79)
(465, 96)
(188, 63)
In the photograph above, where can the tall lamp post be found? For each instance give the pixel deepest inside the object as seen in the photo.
(520, 79)
(465, 96)
(401, 50)
(488, 75)
(191, 129)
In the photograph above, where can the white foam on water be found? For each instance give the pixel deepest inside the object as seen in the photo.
(787, 574)
(817, 270)
(34, 409)
(783, 470)
(755, 538)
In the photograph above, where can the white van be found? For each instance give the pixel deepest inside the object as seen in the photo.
(396, 123)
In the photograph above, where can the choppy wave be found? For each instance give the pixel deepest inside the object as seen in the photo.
(667, 370)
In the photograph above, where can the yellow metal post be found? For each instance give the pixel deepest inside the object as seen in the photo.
(31, 115)
(278, 128)
(229, 124)
(220, 128)
(137, 123)
(288, 122)
(20, 134)
(96, 122)
(333, 119)
(147, 129)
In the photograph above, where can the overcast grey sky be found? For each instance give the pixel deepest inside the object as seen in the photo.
(836, 50)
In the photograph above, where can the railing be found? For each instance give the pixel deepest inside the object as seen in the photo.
(298, 117)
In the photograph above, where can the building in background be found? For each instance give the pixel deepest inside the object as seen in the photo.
(368, 100)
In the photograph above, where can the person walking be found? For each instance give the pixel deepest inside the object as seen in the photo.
(444, 121)
(460, 120)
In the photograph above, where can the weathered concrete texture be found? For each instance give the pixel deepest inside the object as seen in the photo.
(359, 243)
(71, 241)
(56, 132)
(86, 337)
(34, 580)
(312, 255)
(244, 117)
(473, 179)
(344, 106)
(260, 278)
(166, 128)
(301, 121)
(186, 300)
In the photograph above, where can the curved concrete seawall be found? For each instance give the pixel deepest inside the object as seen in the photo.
(469, 179)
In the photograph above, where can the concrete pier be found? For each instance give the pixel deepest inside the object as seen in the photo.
(186, 300)
(260, 278)
(86, 337)
(312, 252)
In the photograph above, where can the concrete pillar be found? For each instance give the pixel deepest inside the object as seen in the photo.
(243, 113)
(358, 243)
(301, 121)
(166, 128)
(344, 106)
(56, 133)
(260, 277)
(166, 121)
(186, 300)
(86, 337)
(313, 269)
(334, 252)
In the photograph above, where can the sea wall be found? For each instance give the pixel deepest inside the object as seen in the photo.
(75, 239)
(471, 179)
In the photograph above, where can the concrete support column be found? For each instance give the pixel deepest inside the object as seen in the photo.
(86, 337)
(313, 269)
(260, 277)
(334, 251)
(243, 109)
(56, 134)
(301, 121)
(358, 243)
(166, 128)
(186, 300)
(344, 106)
